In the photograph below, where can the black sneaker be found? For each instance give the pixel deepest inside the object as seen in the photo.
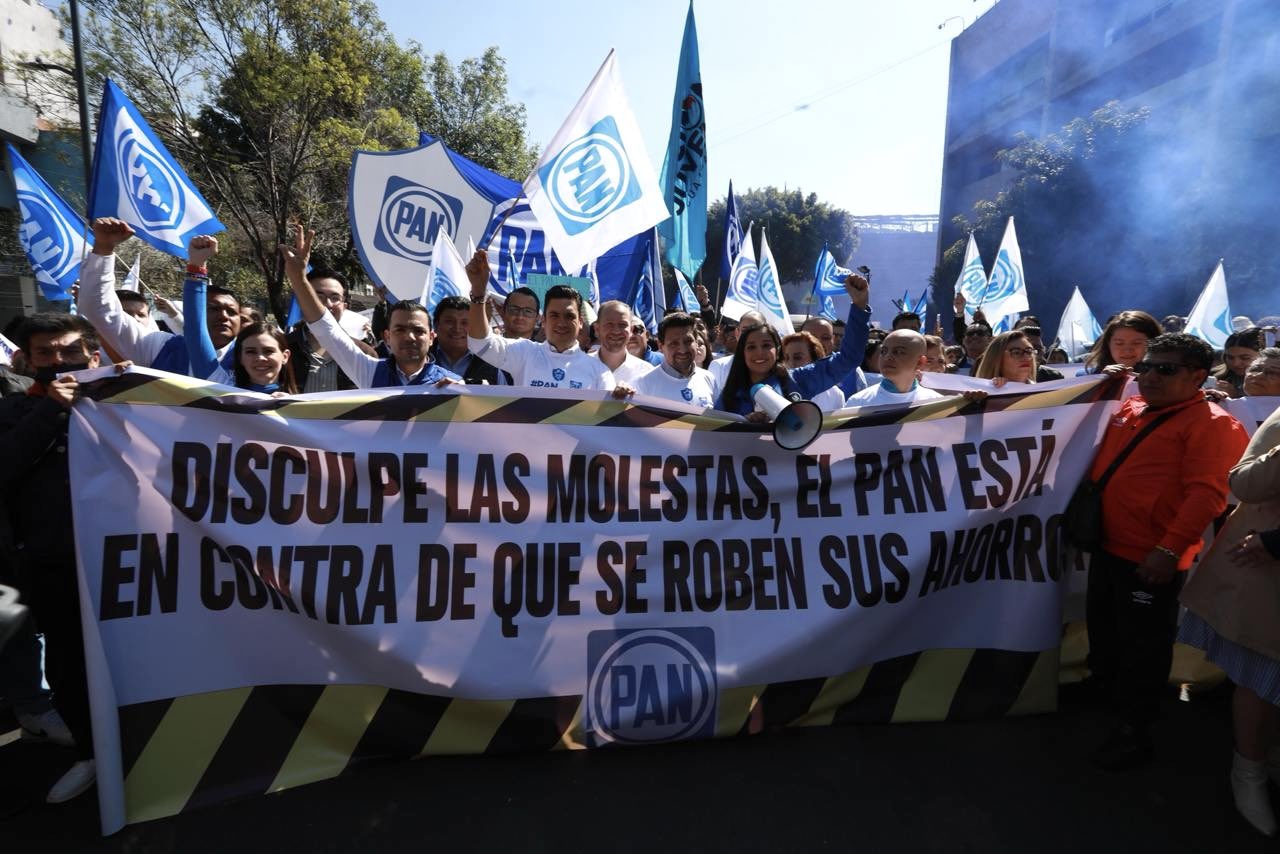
(1127, 747)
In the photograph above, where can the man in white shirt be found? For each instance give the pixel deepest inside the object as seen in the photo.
(128, 338)
(613, 328)
(408, 333)
(902, 357)
(677, 377)
(557, 362)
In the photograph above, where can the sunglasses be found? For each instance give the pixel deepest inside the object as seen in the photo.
(1164, 369)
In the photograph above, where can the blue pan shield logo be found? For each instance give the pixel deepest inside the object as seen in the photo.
(590, 178)
(650, 685)
(411, 218)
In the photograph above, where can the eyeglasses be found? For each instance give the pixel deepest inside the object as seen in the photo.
(330, 298)
(1164, 369)
(520, 312)
(1020, 352)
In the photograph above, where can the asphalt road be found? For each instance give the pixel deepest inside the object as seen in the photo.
(1018, 784)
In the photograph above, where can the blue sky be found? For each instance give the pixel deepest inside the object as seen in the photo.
(844, 98)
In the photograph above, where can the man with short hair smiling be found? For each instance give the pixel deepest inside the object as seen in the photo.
(124, 335)
(677, 377)
(976, 337)
(613, 328)
(408, 334)
(520, 313)
(452, 320)
(314, 366)
(1155, 507)
(823, 330)
(902, 357)
(557, 362)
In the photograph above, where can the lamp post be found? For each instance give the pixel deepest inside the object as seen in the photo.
(82, 90)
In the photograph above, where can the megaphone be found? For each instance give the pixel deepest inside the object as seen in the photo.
(796, 423)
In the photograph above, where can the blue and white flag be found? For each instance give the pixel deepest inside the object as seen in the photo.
(828, 276)
(769, 299)
(136, 179)
(1078, 328)
(51, 233)
(447, 274)
(7, 351)
(922, 305)
(828, 309)
(684, 172)
(594, 186)
(1006, 292)
(643, 302)
(732, 236)
(972, 283)
(685, 294)
(1210, 317)
(740, 296)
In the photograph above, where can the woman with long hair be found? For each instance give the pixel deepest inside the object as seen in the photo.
(1123, 341)
(1009, 357)
(262, 360)
(1237, 355)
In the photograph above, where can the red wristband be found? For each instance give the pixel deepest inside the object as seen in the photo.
(200, 271)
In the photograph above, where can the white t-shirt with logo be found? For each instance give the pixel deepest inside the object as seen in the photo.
(698, 389)
(537, 364)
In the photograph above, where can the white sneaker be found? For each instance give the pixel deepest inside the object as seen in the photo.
(1249, 786)
(78, 779)
(47, 726)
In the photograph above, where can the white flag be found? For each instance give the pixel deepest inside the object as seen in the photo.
(740, 296)
(7, 351)
(131, 279)
(1078, 328)
(1006, 293)
(595, 186)
(446, 274)
(1210, 319)
(769, 299)
(972, 282)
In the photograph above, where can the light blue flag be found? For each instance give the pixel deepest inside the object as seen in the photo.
(828, 276)
(684, 172)
(51, 233)
(684, 293)
(828, 309)
(447, 275)
(922, 304)
(295, 313)
(972, 281)
(1210, 317)
(136, 179)
(732, 236)
(769, 298)
(642, 296)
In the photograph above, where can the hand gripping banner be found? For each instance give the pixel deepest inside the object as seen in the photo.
(278, 589)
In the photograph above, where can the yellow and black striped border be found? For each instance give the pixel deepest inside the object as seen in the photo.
(188, 752)
(144, 389)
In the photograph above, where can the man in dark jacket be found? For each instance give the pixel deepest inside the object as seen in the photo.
(35, 478)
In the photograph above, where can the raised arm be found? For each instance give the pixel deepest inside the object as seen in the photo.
(354, 362)
(98, 303)
(201, 353)
(480, 338)
(817, 377)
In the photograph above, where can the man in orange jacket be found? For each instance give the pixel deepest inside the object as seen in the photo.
(1155, 508)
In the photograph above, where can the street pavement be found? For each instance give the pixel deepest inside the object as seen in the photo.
(1016, 784)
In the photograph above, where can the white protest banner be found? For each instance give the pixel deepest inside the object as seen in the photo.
(360, 575)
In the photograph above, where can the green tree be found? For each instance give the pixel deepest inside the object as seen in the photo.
(264, 102)
(469, 110)
(797, 225)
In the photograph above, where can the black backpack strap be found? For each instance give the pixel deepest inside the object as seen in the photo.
(1124, 455)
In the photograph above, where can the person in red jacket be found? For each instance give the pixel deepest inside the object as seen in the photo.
(1155, 508)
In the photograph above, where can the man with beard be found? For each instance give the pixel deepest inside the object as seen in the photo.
(677, 377)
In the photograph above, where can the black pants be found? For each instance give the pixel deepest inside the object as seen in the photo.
(54, 599)
(1131, 630)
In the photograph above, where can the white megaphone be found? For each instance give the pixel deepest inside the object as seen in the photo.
(796, 423)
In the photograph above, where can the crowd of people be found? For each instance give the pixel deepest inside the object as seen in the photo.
(1165, 467)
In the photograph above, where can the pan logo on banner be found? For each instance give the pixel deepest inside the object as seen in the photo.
(590, 178)
(411, 218)
(650, 685)
(155, 191)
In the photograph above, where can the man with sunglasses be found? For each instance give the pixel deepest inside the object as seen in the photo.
(1155, 507)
